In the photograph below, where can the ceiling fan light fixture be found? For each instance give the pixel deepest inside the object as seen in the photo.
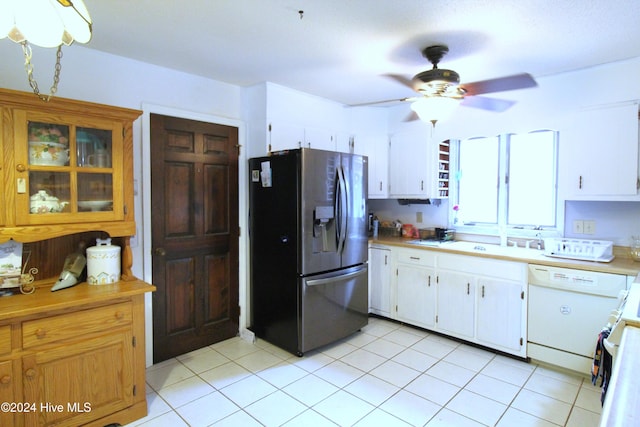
(44, 23)
(434, 108)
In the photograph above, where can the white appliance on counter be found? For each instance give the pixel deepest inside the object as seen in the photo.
(567, 310)
(580, 249)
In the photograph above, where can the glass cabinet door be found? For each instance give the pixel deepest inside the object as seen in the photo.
(67, 168)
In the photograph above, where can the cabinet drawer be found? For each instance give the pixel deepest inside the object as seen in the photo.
(75, 325)
(5, 339)
(424, 258)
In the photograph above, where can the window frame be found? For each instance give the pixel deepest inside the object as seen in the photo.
(519, 230)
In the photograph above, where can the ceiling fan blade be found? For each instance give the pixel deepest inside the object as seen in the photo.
(401, 79)
(501, 84)
(490, 104)
(386, 101)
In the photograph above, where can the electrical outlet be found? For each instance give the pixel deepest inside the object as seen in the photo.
(589, 227)
(419, 217)
(578, 226)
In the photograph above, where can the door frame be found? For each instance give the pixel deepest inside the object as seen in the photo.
(143, 221)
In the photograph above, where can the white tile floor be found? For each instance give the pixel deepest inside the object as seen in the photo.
(387, 375)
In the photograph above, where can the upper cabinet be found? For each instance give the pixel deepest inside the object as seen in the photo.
(280, 118)
(287, 136)
(376, 148)
(418, 166)
(599, 155)
(67, 166)
(409, 165)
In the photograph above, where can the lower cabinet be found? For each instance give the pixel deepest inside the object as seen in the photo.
(478, 299)
(83, 364)
(456, 303)
(380, 280)
(415, 290)
(501, 315)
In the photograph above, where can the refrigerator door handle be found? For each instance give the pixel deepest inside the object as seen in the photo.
(318, 282)
(342, 209)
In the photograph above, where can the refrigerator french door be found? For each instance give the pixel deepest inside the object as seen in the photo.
(308, 247)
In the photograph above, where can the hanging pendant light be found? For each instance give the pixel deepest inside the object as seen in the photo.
(44, 23)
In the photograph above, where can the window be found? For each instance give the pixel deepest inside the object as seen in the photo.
(508, 180)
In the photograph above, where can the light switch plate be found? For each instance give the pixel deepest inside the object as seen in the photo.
(589, 227)
(578, 226)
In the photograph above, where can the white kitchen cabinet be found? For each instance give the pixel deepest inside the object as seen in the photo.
(599, 154)
(418, 166)
(321, 139)
(409, 165)
(415, 290)
(284, 136)
(380, 280)
(501, 315)
(456, 303)
(287, 136)
(498, 312)
(376, 148)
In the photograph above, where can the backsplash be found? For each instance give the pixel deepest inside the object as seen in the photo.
(615, 221)
(432, 215)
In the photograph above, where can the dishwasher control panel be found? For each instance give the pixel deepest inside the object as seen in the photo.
(590, 282)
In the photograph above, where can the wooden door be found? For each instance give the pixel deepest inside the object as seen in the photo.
(194, 197)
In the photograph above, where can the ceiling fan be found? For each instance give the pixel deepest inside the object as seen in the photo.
(439, 83)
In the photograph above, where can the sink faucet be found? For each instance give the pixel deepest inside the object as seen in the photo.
(539, 236)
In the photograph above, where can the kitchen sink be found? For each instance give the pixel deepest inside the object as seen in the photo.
(487, 248)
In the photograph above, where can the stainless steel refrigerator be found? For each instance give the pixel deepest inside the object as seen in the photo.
(308, 247)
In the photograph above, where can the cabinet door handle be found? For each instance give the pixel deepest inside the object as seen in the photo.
(467, 289)
(380, 185)
(160, 251)
(119, 315)
(5, 379)
(20, 167)
(482, 291)
(429, 281)
(41, 333)
(30, 373)
(421, 185)
(415, 258)
(385, 260)
(580, 182)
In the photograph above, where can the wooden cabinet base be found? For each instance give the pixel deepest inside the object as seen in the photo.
(75, 356)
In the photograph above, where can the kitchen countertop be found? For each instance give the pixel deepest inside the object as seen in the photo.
(620, 264)
(43, 299)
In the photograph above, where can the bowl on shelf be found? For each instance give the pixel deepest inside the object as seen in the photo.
(48, 153)
(94, 205)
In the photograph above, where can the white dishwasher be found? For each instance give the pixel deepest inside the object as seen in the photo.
(567, 310)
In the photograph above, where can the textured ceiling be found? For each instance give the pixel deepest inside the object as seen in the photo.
(340, 49)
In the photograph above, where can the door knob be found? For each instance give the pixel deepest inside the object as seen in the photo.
(160, 251)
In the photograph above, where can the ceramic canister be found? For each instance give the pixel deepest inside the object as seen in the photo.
(103, 263)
